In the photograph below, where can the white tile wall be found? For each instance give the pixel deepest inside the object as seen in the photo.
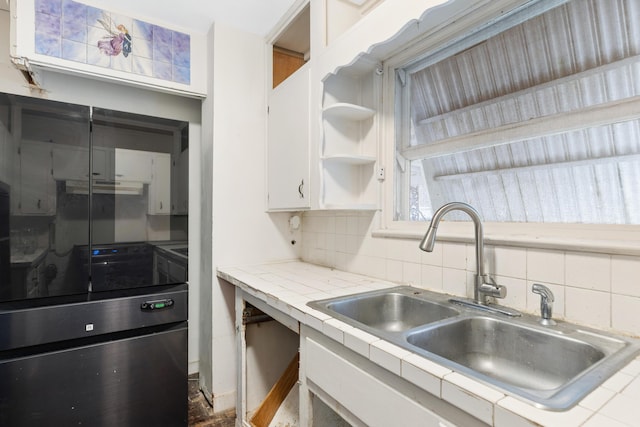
(545, 266)
(625, 275)
(600, 290)
(588, 271)
(587, 306)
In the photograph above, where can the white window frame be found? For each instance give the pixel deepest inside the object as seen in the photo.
(596, 238)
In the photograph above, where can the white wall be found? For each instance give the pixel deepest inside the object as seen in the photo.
(234, 129)
(78, 90)
(600, 290)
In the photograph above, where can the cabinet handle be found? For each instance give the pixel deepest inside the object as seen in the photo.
(300, 187)
(160, 205)
(38, 203)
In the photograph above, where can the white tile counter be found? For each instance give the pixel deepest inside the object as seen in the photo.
(27, 260)
(288, 286)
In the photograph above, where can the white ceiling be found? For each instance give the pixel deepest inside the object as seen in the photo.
(255, 16)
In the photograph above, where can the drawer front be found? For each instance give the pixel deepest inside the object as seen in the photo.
(356, 389)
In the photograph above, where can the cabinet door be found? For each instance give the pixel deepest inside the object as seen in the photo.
(288, 144)
(37, 187)
(102, 159)
(133, 165)
(70, 162)
(160, 187)
(180, 184)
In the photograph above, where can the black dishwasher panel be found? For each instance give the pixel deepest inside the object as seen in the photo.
(112, 359)
(135, 381)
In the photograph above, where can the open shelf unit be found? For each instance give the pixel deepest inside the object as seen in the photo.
(348, 151)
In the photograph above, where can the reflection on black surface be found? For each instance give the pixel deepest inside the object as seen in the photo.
(38, 137)
(67, 190)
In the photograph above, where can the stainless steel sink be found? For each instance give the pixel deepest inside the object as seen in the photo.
(551, 367)
(392, 311)
(515, 354)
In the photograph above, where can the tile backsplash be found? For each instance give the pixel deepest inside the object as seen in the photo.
(599, 290)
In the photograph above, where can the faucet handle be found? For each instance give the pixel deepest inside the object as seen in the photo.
(488, 287)
(546, 303)
(493, 290)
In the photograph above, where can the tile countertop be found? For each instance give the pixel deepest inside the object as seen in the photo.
(27, 260)
(171, 246)
(288, 286)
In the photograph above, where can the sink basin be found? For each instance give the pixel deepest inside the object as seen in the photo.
(551, 367)
(392, 310)
(182, 251)
(514, 354)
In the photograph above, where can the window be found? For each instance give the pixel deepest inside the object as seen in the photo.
(537, 121)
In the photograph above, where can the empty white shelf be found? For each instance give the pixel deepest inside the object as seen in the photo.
(348, 111)
(350, 159)
(351, 206)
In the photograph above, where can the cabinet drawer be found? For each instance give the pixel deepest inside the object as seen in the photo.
(355, 389)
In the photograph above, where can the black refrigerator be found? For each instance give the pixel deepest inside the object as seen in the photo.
(89, 335)
(5, 272)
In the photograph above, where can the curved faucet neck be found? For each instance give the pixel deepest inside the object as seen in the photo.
(479, 234)
(483, 287)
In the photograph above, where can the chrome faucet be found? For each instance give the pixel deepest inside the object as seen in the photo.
(483, 285)
(546, 303)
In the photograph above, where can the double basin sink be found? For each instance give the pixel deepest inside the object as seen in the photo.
(551, 367)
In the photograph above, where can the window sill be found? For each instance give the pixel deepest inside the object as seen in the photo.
(613, 240)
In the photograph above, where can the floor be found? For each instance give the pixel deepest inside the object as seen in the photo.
(201, 413)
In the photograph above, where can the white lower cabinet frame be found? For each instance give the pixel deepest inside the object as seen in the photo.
(363, 393)
(241, 298)
(358, 390)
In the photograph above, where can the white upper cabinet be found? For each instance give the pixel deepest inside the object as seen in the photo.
(133, 165)
(288, 147)
(70, 162)
(159, 202)
(37, 188)
(341, 104)
(180, 183)
(288, 177)
(102, 159)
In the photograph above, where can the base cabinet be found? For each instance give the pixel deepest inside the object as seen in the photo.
(169, 268)
(336, 386)
(33, 278)
(363, 393)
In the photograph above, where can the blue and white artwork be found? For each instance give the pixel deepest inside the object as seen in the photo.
(77, 32)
